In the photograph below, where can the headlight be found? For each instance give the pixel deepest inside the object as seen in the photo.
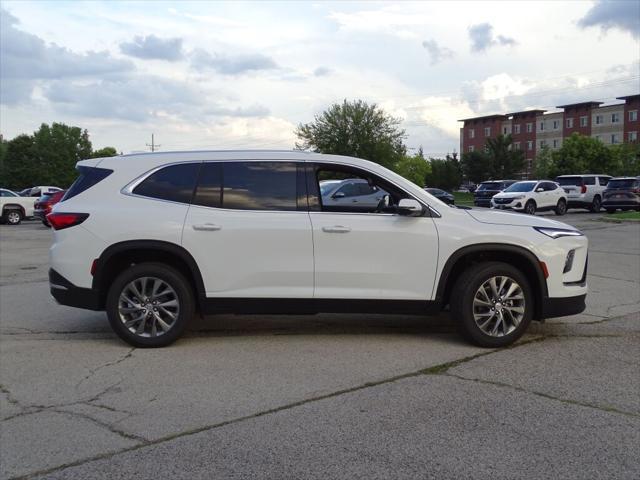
(558, 232)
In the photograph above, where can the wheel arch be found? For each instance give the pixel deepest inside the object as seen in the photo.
(14, 206)
(117, 257)
(517, 256)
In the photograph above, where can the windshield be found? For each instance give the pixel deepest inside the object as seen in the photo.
(577, 181)
(326, 187)
(490, 186)
(521, 187)
(622, 183)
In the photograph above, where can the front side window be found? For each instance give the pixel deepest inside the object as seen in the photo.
(174, 183)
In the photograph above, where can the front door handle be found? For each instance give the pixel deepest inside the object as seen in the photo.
(207, 227)
(336, 229)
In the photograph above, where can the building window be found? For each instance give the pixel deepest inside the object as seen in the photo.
(487, 131)
(543, 143)
(529, 163)
(615, 118)
(471, 148)
(541, 126)
(599, 119)
(516, 145)
(597, 137)
(506, 130)
(556, 124)
(555, 144)
(632, 136)
(472, 133)
(569, 122)
(529, 145)
(614, 138)
(516, 128)
(529, 127)
(584, 121)
(633, 115)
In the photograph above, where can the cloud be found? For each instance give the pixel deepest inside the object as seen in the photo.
(482, 38)
(154, 48)
(231, 65)
(623, 15)
(27, 60)
(322, 71)
(436, 52)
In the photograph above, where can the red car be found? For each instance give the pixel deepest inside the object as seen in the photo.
(44, 204)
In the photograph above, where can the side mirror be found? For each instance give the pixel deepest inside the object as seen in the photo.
(338, 195)
(538, 190)
(409, 207)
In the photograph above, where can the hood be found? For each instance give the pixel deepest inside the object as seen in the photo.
(511, 194)
(512, 218)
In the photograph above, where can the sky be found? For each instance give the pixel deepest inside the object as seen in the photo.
(225, 75)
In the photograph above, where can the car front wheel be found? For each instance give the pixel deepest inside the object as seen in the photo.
(530, 208)
(150, 305)
(492, 304)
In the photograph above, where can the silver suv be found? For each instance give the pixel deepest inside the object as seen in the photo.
(584, 191)
(355, 193)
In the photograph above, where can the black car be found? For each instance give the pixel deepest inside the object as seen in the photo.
(486, 190)
(441, 195)
(622, 193)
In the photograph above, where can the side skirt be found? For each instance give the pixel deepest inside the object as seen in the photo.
(310, 306)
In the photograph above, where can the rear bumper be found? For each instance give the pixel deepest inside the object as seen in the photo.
(615, 203)
(561, 307)
(578, 203)
(66, 293)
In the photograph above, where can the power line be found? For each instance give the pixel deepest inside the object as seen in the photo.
(153, 145)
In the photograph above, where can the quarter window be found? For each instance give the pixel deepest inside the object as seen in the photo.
(174, 183)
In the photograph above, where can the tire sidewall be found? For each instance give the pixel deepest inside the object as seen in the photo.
(462, 308)
(175, 279)
(8, 213)
(561, 210)
(526, 207)
(596, 205)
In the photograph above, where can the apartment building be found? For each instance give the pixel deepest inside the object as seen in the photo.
(532, 130)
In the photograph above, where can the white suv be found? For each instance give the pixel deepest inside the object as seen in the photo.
(584, 191)
(151, 238)
(530, 196)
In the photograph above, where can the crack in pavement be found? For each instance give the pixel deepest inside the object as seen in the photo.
(107, 426)
(92, 372)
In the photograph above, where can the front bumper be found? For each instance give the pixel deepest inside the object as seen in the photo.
(66, 293)
(561, 307)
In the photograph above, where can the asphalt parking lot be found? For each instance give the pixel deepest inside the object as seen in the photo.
(328, 396)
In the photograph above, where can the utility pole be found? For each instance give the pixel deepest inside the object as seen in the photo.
(153, 144)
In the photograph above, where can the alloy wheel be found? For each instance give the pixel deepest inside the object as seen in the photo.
(498, 306)
(13, 217)
(148, 307)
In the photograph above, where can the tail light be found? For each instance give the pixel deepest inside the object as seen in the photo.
(61, 220)
(583, 189)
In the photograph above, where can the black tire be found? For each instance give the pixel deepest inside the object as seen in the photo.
(12, 216)
(184, 298)
(46, 224)
(611, 210)
(530, 208)
(561, 207)
(462, 303)
(596, 205)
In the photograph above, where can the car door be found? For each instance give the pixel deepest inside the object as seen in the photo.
(249, 230)
(370, 254)
(553, 194)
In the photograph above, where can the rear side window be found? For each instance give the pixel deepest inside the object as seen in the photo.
(566, 181)
(209, 191)
(174, 183)
(590, 180)
(88, 177)
(603, 180)
(259, 185)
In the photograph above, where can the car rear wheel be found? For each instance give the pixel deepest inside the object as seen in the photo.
(12, 217)
(595, 205)
(150, 305)
(530, 208)
(561, 207)
(492, 304)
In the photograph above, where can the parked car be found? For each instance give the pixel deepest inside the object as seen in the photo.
(354, 194)
(622, 193)
(14, 207)
(530, 196)
(25, 193)
(584, 191)
(441, 195)
(486, 190)
(44, 204)
(248, 232)
(42, 190)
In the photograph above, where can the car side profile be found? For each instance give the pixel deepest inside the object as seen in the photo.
(153, 238)
(584, 191)
(530, 196)
(13, 207)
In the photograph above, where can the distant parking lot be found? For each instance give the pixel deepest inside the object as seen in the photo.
(326, 396)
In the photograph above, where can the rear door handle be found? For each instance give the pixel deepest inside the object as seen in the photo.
(207, 227)
(336, 229)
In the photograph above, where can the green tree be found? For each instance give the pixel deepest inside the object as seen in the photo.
(545, 164)
(477, 166)
(104, 152)
(625, 159)
(414, 168)
(580, 154)
(356, 129)
(445, 173)
(506, 162)
(18, 165)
